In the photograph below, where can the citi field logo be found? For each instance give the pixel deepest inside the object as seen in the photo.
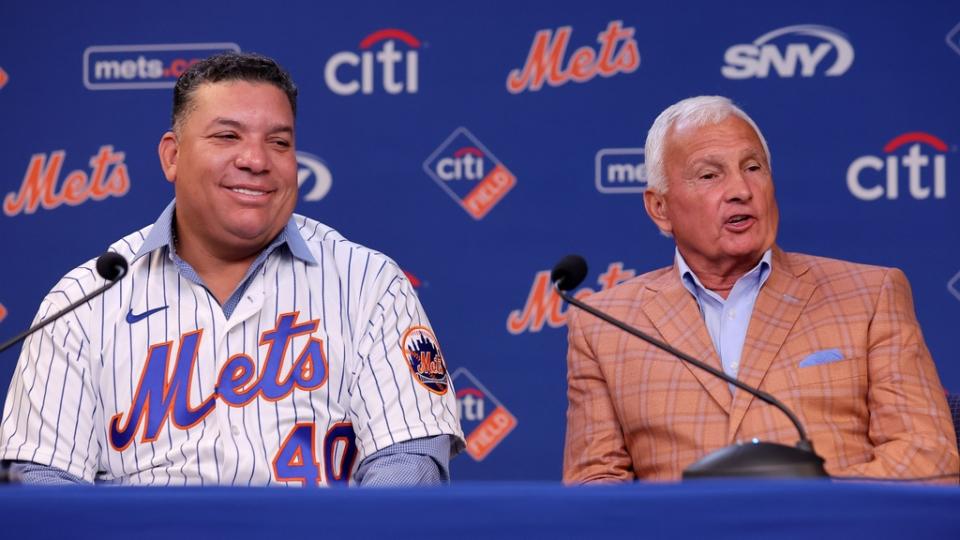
(620, 170)
(545, 62)
(313, 172)
(485, 421)
(138, 67)
(348, 73)
(41, 186)
(544, 307)
(469, 173)
(804, 46)
(924, 163)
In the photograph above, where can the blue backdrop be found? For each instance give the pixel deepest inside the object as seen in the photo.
(476, 143)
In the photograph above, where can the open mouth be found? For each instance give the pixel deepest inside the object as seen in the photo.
(738, 219)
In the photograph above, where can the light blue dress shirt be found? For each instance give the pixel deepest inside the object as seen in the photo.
(727, 320)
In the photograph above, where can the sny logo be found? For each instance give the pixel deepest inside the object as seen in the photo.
(543, 305)
(108, 177)
(122, 67)
(620, 170)
(915, 162)
(749, 60)
(546, 56)
(391, 60)
(313, 166)
(462, 167)
(485, 421)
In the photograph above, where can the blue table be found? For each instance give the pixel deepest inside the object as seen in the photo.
(707, 509)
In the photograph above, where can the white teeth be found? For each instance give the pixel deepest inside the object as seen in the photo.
(245, 191)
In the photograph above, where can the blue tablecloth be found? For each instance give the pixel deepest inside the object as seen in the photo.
(706, 509)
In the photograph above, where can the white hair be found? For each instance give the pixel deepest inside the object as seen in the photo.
(697, 112)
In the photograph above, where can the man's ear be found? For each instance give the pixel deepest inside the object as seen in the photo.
(169, 149)
(656, 205)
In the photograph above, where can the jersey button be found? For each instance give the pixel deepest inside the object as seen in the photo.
(235, 430)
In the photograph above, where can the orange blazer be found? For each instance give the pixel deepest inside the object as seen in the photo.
(838, 342)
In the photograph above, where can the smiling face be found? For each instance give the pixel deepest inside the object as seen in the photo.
(719, 204)
(234, 168)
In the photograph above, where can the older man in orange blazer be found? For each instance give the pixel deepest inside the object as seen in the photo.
(838, 342)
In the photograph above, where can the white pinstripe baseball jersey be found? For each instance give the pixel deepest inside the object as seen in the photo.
(321, 363)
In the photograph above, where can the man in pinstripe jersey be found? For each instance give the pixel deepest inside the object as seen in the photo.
(248, 345)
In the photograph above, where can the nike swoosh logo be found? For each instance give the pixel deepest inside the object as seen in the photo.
(131, 318)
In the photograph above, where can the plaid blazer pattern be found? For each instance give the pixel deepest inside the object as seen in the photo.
(875, 409)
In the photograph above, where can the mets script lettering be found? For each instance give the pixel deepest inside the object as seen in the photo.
(159, 398)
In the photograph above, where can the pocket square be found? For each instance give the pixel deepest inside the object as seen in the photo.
(825, 356)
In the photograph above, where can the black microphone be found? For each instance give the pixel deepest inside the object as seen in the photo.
(749, 459)
(111, 267)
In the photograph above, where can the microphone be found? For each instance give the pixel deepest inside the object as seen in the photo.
(111, 266)
(758, 459)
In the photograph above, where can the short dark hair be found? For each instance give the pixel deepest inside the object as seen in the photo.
(230, 66)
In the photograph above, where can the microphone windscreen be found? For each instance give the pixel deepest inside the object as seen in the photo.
(569, 272)
(111, 266)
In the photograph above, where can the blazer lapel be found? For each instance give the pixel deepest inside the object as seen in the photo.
(675, 314)
(779, 304)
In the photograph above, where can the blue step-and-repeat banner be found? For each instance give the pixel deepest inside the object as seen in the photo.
(478, 142)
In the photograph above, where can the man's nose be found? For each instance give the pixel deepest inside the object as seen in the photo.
(252, 158)
(737, 188)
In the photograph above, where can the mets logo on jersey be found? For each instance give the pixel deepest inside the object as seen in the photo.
(485, 421)
(469, 173)
(423, 355)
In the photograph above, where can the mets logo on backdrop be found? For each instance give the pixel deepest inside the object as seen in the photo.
(108, 177)
(423, 355)
(618, 53)
(138, 67)
(484, 420)
(469, 173)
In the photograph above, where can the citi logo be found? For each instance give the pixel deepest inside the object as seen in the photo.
(804, 46)
(620, 170)
(312, 167)
(108, 177)
(545, 62)
(871, 177)
(347, 72)
(465, 164)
